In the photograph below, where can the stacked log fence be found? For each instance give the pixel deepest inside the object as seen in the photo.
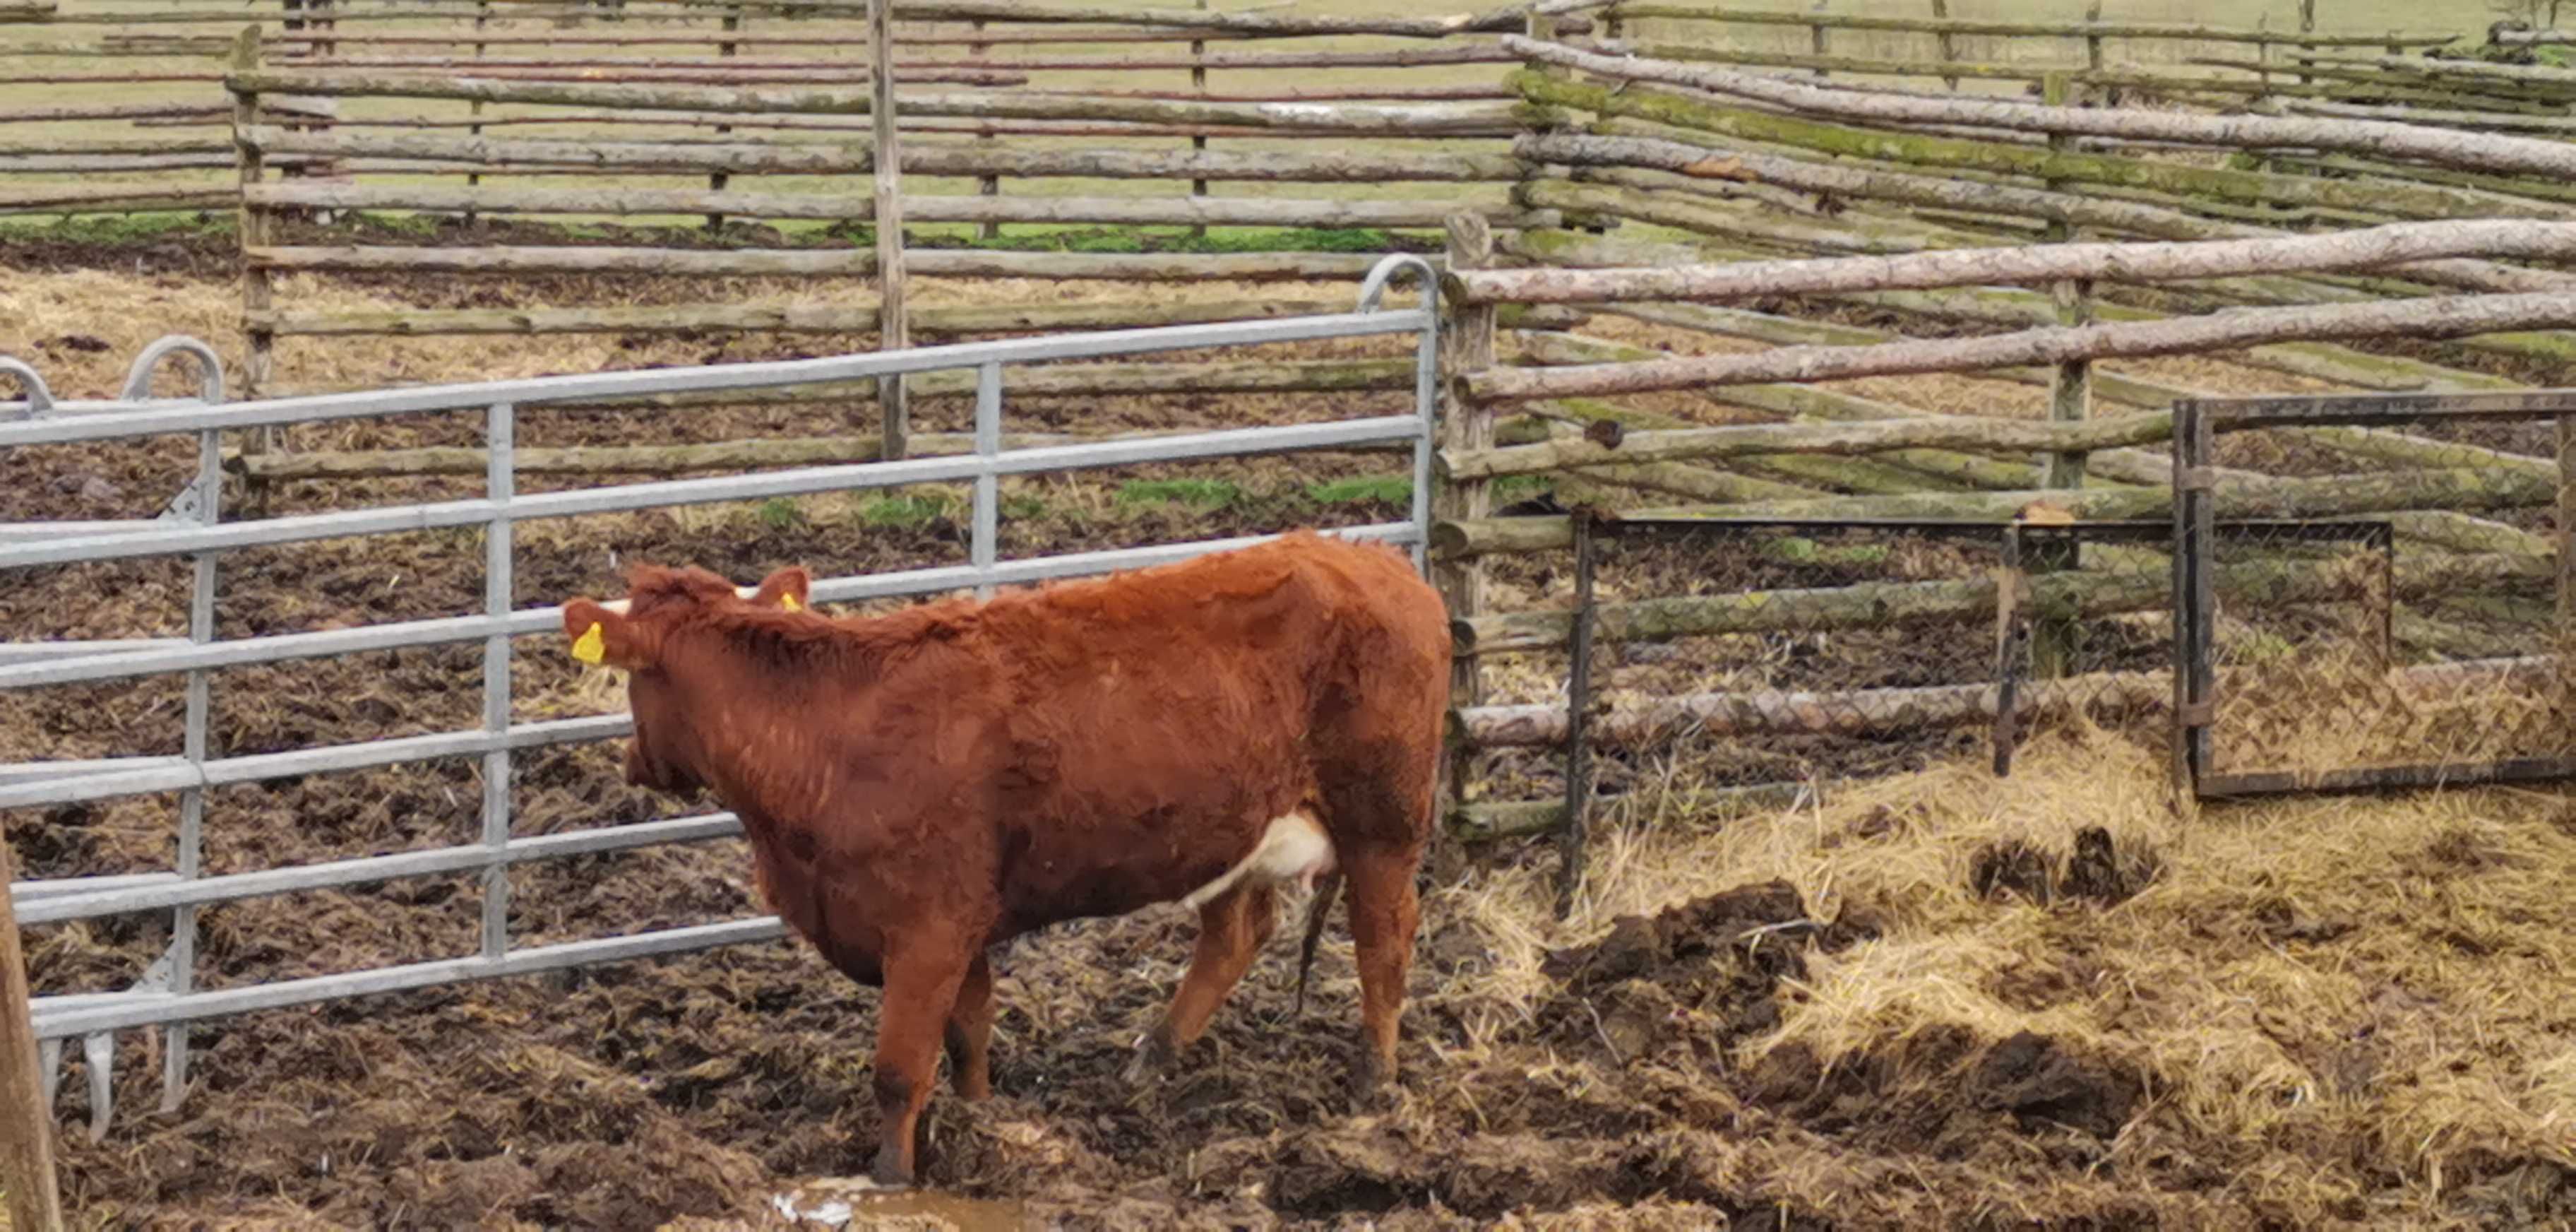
(1956, 218)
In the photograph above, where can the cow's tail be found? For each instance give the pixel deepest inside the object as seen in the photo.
(1329, 885)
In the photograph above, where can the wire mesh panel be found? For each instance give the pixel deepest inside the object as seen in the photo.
(2307, 666)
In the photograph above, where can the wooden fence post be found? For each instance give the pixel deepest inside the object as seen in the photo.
(893, 327)
(1817, 42)
(26, 1124)
(257, 290)
(1949, 46)
(1466, 346)
(2307, 25)
(482, 22)
(716, 181)
(985, 185)
(1198, 83)
(2566, 528)
(2070, 400)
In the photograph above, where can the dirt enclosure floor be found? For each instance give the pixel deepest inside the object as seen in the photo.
(1938, 1000)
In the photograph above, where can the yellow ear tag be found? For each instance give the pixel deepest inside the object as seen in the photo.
(590, 647)
(788, 601)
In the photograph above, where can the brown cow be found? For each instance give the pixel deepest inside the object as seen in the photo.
(920, 786)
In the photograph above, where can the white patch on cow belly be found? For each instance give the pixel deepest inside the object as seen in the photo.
(1293, 848)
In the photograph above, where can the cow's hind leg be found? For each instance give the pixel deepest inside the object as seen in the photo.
(970, 1033)
(1384, 913)
(1231, 932)
(921, 985)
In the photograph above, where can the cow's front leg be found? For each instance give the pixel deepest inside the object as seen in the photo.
(922, 979)
(970, 1033)
(1231, 931)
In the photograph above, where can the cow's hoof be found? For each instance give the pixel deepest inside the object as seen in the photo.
(889, 1173)
(1370, 1090)
(1155, 1057)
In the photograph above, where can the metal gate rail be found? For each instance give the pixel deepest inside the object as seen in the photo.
(165, 997)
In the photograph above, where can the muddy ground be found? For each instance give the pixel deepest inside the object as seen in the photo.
(1955, 1002)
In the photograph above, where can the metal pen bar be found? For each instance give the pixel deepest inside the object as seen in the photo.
(2229, 414)
(209, 494)
(31, 771)
(29, 652)
(627, 498)
(130, 895)
(369, 404)
(260, 767)
(546, 620)
(500, 485)
(1426, 405)
(985, 543)
(148, 1011)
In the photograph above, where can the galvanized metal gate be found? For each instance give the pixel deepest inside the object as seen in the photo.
(166, 996)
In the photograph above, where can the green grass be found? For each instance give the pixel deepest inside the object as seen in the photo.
(118, 228)
(1384, 489)
(1196, 493)
(907, 510)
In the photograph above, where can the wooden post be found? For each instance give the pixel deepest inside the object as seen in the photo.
(985, 185)
(2565, 533)
(1466, 345)
(1198, 84)
(716, 181)
(1578, 714)
(2263, 65)
(2307, 25)
(482, 22)
(2070, 400)
(1817, 41)
(26, 1124)
(1949, 46)
(893, 327)
(257, 291)
(2092, 39)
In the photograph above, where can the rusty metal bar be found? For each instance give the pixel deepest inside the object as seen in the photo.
(1578, 701)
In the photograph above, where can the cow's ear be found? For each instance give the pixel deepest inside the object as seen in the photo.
(790, 589)
(600, 637)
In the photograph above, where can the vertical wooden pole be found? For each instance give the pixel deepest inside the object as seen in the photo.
(1949, 46)
(716, 181)
(1466, 346)
(482, 21)
(2070, 400)
(2566, 527)
(2070, 396)
(1818, 42)
(894, 332)
(2263, 64)
(987, 185)
(257, 291)
(1198, 84)
(2307, 25)
(2093, 39)
(1578, 718)
(26, 1125)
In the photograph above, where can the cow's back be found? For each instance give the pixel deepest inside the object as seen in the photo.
(1160, 719)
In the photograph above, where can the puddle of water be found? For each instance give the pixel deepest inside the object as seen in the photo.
(858, 1204)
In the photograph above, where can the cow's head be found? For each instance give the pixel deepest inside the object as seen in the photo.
(635, 633)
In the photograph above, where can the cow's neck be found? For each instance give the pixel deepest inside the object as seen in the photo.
(755, 726)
